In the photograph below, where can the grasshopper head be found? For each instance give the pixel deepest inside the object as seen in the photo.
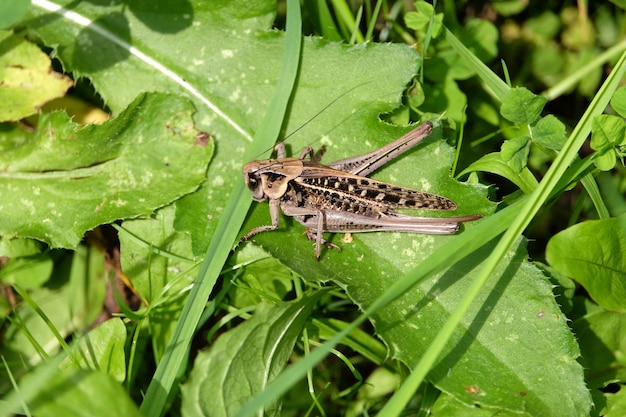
(252, 177)
(269, 179)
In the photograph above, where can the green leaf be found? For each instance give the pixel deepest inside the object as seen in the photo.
(263, 277)
(420, 19)
(615, 403)
(509, 7)
(494, 163)
(101, 349)
(11, 12)
(83, 393)
(607, 131)
(245, 359)
(521, 106)
(27, 272)
(618, 101)
(545, 26)
(549, 132)
(460, 250)
(515, 152)
(605, 161)
(27, 77)
(497, 352)
(592, 253)
(620, 3)
(16, 248)
(70, 180)
(481, 37)
(87, 285)
(602, 341)
(445, 97)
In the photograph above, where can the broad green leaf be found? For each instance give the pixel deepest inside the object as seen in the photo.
(602, 339)
(592, 253)
(549, 132)
(521, 106)
(409, 325)
(447, 405)
(68, 180)
(245, 359)
(27, 78)
(11, 12)
(83, 393)
(490, 341)
(101, 349)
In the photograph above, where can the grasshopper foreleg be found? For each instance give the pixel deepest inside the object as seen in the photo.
(274, 214)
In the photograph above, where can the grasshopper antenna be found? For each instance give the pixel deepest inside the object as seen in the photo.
(322, 110)
(333, 101)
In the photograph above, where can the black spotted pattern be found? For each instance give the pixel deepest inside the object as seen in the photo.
(360, 196)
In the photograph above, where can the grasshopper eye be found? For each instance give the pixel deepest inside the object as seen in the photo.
(252, 182)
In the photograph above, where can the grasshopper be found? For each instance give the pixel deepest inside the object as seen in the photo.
(339, 198)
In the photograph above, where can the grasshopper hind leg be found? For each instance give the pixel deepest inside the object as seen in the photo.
(319, 241)
(318, 235)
